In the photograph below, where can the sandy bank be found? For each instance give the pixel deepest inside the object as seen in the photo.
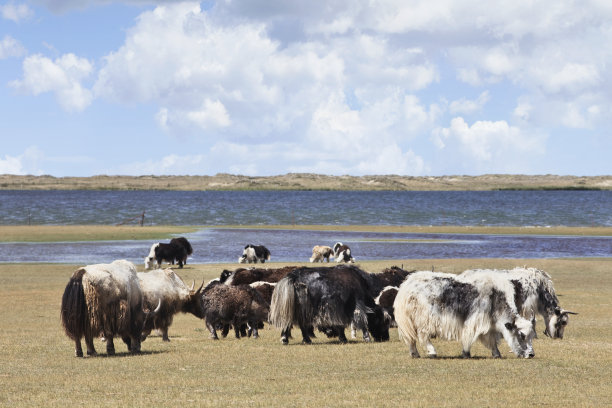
(304, 181)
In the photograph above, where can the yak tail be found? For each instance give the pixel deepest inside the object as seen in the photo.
(282, 305)
(74, 308)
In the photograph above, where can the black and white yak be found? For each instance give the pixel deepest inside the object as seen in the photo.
(177, 250)
(327, 297)
(104, 300)
(533, 292)
(342, 253)
(439, 305)
(254, 253)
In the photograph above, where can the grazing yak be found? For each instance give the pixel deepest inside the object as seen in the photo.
(166, 286)
(254, 253)
(320, 253)
(104, 300)
(235, 305)
(385, 300)
(433, 304)
(533, 291)
(177, 250)
(326, 297)
(182, 241)
(342, 253)
(246, 276)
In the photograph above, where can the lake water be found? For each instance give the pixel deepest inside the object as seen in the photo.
(495, 208)
(492, 208)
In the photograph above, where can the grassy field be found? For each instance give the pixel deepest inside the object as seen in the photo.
(38, 367)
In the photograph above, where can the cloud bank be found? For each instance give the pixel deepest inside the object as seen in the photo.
(357, 87)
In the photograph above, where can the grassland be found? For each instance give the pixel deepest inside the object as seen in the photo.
(38, 367)
(54, 233)
(307, 181)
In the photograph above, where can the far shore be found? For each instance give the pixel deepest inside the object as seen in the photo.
(309, 181)
(75, 233)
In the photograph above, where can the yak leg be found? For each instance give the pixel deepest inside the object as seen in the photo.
(91, 350)
(225, 330)
(180, 263)
(366, 335)
(285, 334)
(78, 350)
(414, 352)
(213, 332)
(353, 331)
(243, 331)
(164, 331)
(110, 346)
(431, 350)
(305, 336)
(237, 329)
(341, 336)
(128, 342)
(490, 341)
(134, 344)
(253, 326)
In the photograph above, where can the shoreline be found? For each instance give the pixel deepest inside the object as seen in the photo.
(308, 181)
(83, 233)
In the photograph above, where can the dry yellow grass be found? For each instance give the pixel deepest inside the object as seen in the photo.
(37, 367)
(54, 233)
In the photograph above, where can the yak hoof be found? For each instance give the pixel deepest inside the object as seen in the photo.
(466, 354)
(432, 355)
(78, 354)
(306, 341)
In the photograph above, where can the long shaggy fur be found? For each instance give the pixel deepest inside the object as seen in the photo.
(74, 308)
(430, 304)
(533, 292)
(282, 307)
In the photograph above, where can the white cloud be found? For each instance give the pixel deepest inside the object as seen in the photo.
(487, 140)
(466, 106)
(63, 76)
(263, 79)
(16, 12)
(10, 47)
(26, 163)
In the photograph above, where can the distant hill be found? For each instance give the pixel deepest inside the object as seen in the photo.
(306, 181)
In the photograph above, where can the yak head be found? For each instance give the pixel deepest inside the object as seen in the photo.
(195, 303)
(378, 324)
(555, 326)
(519, 334)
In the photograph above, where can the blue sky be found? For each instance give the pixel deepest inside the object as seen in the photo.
(265, 87)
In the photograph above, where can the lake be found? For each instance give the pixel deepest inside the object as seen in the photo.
(490, 208)
(493, 208)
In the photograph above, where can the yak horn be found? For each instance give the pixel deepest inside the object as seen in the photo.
(568, 312)
(200, 288)
(192, 284)
(158, 307)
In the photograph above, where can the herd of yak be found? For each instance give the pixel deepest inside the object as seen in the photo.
(114, 300)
